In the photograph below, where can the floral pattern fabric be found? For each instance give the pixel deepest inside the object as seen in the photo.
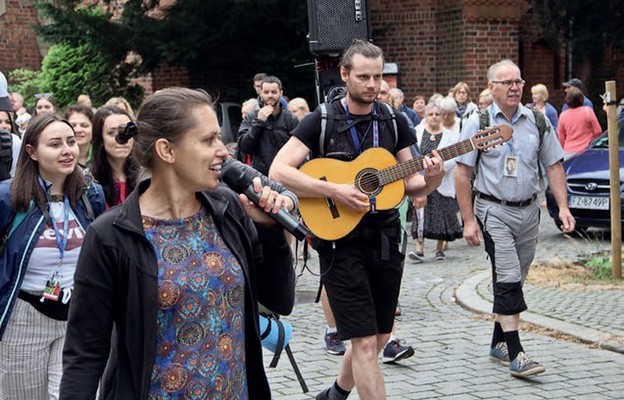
(200, 351)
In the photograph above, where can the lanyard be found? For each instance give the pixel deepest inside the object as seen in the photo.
(358, 145)
(354, 135)
(61, 240)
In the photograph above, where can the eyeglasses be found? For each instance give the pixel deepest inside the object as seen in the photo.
(43, 95)
(510, 83)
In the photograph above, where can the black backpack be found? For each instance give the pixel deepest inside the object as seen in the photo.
(328, 119)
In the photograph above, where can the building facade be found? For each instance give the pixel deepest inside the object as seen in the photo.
(436, 43)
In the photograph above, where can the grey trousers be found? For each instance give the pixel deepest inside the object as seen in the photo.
(31, 353)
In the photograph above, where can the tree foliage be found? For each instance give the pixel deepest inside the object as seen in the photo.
(69, 71)
(222, 43)
(27, 83)
(587, 29)
(588, 26)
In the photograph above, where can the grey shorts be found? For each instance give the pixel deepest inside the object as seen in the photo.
(510, 236)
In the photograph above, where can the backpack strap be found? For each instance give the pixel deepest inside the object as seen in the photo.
(328, 117)
(89, 180)
(484, 122)
(395, 129)
(88, 207)
(540, 122)
(5, 235)
(13, 224)
(324, 118)
(542, 126)
(484, 119)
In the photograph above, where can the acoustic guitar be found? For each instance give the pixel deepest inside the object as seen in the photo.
(377, 174)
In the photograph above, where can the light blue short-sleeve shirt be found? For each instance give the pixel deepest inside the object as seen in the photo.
(523, 147)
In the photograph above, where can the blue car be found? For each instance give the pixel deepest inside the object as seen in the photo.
(588, 185)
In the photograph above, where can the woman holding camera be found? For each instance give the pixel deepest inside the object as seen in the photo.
(113, 165)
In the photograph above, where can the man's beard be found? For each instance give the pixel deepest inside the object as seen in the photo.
(356, 98)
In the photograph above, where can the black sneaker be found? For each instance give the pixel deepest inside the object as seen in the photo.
(333, 344)
(440, 255)
(417, 257)
(323, 395)
(396, 350)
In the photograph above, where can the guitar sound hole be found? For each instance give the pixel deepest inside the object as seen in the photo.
(368, 182)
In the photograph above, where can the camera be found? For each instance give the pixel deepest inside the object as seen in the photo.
(6, 154)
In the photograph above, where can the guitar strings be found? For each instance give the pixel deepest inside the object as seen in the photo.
(399, 169)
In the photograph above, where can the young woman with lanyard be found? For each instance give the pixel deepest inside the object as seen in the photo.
(42, 239)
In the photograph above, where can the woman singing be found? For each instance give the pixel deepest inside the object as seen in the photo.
(177, 270)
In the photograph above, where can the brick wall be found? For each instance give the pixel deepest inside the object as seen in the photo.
(540, 63)
(435, 42)
(18, 44)
(166, 76)
(439, 43)
(406, 30)
(452, 46)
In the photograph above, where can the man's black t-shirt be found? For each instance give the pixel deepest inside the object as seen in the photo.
(339, 144)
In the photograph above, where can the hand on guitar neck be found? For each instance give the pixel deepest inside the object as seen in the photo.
(434, 172)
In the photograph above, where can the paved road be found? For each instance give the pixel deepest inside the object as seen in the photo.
(452, 342)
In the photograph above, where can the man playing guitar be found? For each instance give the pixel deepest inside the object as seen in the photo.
(361, 271)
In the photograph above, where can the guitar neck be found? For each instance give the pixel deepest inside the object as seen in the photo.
(412, 166)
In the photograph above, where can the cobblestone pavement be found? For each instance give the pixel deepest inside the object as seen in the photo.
(452, 341)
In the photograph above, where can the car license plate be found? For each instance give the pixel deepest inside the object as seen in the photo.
(589, 202)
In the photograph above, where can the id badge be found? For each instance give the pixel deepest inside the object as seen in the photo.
(511, 167)
(52, 290)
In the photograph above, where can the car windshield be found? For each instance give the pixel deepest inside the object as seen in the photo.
(602, 142)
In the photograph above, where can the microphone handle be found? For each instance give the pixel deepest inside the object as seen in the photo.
(283, 217)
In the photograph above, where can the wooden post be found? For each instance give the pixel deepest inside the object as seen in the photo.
(614, 167)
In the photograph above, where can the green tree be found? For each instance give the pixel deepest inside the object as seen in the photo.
(69, 71)
(222, 43)
(27, 83)
(586, 28)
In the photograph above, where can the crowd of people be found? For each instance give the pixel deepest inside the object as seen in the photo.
(159, 296)
(130, 268)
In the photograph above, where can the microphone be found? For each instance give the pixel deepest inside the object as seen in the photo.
(239, 176)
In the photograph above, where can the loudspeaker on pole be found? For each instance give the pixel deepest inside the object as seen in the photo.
(335, 23)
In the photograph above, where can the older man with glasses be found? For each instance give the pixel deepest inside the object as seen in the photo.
(505, 215)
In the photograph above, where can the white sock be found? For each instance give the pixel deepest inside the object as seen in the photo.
(331, 330)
